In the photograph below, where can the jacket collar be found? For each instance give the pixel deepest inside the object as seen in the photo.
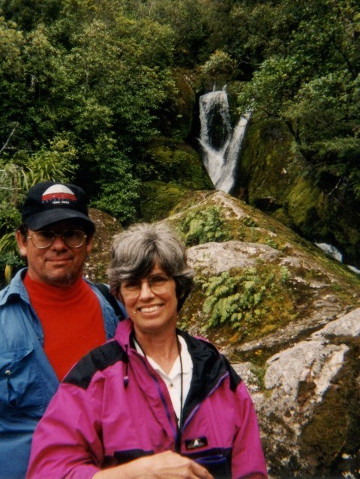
(16, 287)
(210, 368)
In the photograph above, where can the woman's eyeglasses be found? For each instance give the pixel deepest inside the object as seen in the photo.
(132, 287)
(44, 239)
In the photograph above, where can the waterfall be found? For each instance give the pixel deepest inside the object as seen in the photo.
(220, 143)
(335, 253)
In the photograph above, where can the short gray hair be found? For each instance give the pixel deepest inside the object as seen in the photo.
(136, 249)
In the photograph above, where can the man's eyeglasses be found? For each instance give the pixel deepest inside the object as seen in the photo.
(132, 287)
(44, 239)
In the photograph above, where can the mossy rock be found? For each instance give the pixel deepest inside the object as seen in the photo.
(159, 198)
(305, 204)
(275, 286)
(264, 168)
(274, 176)
(107, 227)
(176, 117)
(176, 162)
(333, 431)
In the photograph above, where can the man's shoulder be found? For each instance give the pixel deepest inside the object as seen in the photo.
(15, 288)
(104, 294)
(4, 292)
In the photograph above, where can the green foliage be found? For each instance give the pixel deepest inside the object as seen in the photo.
(119, 197)
(98, 75)
(27, 14)
(56, 164)
(243, 301)
(271, 242)
(12, 181)
(310, 81)
(220, 66)
(203, 226)
(13, 90)
(250, 222)
(9, 264)
(183, 17)
(91, 73)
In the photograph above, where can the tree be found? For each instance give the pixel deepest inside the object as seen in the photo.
(92, 74)
(311, 83)
(28, 14)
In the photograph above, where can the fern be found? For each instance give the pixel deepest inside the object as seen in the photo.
(203, 226)
(241, 300)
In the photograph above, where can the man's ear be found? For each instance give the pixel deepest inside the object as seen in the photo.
(89, 243)
(21, 242)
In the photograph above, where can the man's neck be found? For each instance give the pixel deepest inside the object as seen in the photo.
(64, 283)
(30, 282)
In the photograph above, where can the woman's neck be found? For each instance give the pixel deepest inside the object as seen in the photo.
(162, 349)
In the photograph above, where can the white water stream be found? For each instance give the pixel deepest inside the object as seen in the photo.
(220, 160)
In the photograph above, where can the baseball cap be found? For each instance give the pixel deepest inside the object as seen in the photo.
(49, 202)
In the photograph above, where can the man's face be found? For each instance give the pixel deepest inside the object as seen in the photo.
(58, 264)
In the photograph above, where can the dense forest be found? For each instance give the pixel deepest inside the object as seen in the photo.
(87, 84)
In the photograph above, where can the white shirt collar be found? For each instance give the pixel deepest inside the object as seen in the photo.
(173, 379)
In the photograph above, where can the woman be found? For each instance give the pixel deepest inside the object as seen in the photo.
(154, 402)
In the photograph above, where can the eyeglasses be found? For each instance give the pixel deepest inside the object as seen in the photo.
(132, 287)
(44, 239)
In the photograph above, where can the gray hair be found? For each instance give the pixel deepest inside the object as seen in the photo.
(136, 249)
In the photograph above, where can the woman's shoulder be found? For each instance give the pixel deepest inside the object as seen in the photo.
(96, 360)
(198, 342)
(206, 352)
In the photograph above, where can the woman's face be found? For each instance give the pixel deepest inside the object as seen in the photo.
(151, 302)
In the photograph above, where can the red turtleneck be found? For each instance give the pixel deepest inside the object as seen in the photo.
(71, 319)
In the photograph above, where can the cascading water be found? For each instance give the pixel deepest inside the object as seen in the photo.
(221, 144)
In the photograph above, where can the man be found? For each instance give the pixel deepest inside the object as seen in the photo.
(50, 316)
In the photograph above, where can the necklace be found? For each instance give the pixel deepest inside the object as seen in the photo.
(181, 383)
(180, 419)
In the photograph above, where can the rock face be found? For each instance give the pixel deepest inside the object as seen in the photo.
(309, 410)
(106, 228)
(274, 176)
(231, 254)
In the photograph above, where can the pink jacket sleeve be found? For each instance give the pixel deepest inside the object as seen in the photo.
(62, 449)
(248, 458)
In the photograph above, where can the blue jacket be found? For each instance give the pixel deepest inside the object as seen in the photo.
(27, 380)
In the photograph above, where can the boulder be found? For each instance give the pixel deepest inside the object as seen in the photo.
(309, 408)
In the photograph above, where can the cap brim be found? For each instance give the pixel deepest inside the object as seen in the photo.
(46, 218)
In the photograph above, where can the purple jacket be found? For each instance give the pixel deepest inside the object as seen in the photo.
(113, 407)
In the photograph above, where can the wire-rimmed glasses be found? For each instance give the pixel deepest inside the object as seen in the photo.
(157, 283)
(44, 238)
